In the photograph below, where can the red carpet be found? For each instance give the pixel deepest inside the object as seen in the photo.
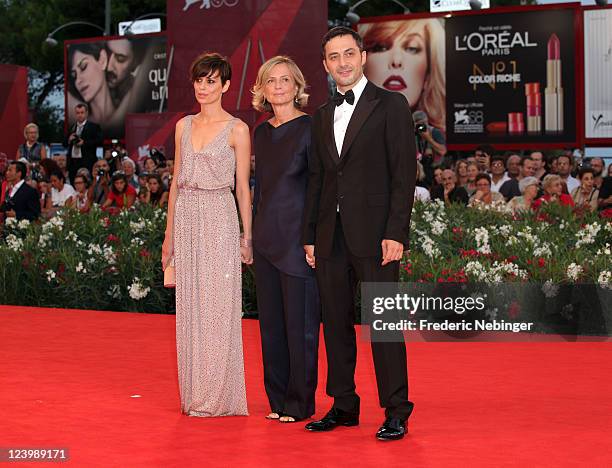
(67, 378)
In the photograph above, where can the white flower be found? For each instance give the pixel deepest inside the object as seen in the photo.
(23, 224)
(44, 239)
(14, 243)
(482, 240)
(114, 291)
(550, 289)
(137, 291)
(11, 222)
(72, 236)
(588, 234)
(505, 230)
(137, 226)
(574, 271)
(605, 250)
(80, 268)
(542, 251)
(94, 249)
(137, 241)
(50, 275)
(109, 255)
(437, 227)
(605, 279)
(429, 247)
(491, 314)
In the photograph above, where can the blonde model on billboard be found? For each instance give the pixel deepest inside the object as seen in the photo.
(407, 56)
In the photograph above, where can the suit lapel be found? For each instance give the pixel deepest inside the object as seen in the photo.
(328, 131)
(365, 106)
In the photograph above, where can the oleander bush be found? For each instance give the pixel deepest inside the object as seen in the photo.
(112, 262)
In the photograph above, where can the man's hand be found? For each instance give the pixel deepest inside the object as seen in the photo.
(310, 256)
(11, 214)
(392, 251)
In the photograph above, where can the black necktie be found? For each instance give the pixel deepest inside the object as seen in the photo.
(349, 97)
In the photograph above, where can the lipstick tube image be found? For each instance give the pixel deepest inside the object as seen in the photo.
(516, 123)
(553, 94)
(534, 107)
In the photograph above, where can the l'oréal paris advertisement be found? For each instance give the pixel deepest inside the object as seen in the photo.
(511, 78)
(114, 78)
(407, 56)
(598, 73)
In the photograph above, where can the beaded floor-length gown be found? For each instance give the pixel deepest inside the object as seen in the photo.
(208, 280)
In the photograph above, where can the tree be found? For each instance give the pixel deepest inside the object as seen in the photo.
(25, 25)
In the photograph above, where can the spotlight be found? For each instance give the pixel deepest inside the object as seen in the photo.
(601, 2)
(475, 4)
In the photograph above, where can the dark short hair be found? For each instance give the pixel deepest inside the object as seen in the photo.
(487, 149)
(586, 170)
(498, 158)
(119, 175)
(20, 167)
(82, 105)
(85, 179)
(481, 176)
(59, 174)
(525, 158)
(207, 64)
(569, 157)
(340, 31)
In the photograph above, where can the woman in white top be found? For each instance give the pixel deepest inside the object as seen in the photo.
(61, 192)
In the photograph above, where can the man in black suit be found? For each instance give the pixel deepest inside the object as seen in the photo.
(21, 200)
(357, 218)
(83, 139)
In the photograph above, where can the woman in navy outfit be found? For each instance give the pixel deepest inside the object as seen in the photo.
(287, 294)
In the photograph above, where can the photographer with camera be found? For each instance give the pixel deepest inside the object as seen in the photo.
(83, 139)
(431, 144)
(20, 200)
(101, 182)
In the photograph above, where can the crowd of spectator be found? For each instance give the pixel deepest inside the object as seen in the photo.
(38, 184)
(519, 181)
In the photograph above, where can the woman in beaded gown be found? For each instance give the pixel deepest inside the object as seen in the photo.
(203, 240)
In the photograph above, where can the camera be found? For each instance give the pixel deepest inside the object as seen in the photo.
(420, 128)
(101, 172)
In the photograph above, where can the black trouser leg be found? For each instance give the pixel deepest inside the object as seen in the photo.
(302, 320)
(389, 357)
(337, 300)
(274, 346)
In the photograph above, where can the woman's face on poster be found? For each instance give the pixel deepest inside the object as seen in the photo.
(88, 74)
(399, 63)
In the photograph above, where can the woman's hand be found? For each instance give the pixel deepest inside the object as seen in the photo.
(167, 251)
(246, 254)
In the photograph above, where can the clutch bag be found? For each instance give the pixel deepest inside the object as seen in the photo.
(170, 274)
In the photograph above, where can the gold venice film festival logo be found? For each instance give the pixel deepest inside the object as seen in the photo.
(210, 3)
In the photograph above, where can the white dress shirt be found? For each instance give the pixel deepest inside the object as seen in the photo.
(76, 150)
(572, 183)
(15, 188)
(344, 112)
(496, 186)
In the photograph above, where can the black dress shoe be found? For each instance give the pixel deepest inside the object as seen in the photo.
(334, 418)
(392, 429)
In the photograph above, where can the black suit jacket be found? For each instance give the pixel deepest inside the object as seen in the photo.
(25, 202)
(92, 138)
(372, 181)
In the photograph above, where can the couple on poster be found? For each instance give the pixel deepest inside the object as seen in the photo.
(333, 200)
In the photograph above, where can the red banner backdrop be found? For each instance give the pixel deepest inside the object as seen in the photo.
(13, 107)
(248, 32)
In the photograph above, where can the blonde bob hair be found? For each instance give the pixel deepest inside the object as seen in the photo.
(29, 126)
(259, 98)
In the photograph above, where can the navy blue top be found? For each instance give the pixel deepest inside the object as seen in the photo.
(281, 178)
